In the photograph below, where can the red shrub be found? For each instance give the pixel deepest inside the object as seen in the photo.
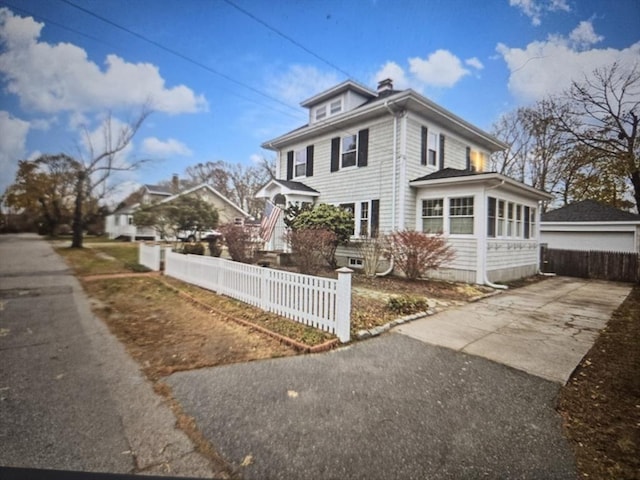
(415, 253)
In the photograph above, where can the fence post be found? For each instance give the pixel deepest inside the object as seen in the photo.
(265, 304)
(343, 304)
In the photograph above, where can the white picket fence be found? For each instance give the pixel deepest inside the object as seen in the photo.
(150, 256)
(323, 303)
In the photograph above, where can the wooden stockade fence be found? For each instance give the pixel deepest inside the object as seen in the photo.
(614, 266)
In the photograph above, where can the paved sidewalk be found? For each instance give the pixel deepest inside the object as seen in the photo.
(71, 398)
(544, 329)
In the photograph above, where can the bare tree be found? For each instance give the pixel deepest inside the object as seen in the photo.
(235, 181)
(603, 115)
(93, 169)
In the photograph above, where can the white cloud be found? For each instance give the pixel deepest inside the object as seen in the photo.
(440, 69)
(395, 72)
(583, 36)
(535, 9)
(13, 135)
(53, 78)
(171, 146)
(475, 63)
(547, 67)
(300, 82)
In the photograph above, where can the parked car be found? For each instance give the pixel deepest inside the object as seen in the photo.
(199, 235)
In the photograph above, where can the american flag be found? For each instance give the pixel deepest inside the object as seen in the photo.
(269, 220)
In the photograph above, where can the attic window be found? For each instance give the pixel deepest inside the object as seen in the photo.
(335, 106)
(321, 112)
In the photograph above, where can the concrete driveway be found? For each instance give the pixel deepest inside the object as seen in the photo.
(544, 329)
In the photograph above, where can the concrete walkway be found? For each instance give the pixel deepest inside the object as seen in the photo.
(544, 329)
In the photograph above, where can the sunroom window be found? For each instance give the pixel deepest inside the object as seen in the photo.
(461, 215)
(432, 215)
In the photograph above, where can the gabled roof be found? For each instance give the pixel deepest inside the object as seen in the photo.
(158, 189)
(589, 211)
(454, 177)
(338, 89)
(212, 190)
(287, 187)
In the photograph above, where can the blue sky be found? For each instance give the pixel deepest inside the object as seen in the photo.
(243, 66)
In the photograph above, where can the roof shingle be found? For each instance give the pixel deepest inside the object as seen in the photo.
(589, 211)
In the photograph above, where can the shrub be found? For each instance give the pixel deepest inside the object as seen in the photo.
(193, 249)
(326, 217)
(239, 243)
(415, 253)
(371, 250)
(407, 304)
(311, 248)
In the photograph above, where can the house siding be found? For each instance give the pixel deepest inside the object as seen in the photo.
(353, 184)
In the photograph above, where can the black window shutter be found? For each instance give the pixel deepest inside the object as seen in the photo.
(468, 158)
(441, 151)
(289, 164)
(335, 154)
(423, 146)
(310, 161)
(375, 215)
(363, 147)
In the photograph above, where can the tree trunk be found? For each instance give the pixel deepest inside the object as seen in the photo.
(77, 226)
(635, 180)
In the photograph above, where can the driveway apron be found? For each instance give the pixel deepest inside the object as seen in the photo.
(544, 329)
(390, 407)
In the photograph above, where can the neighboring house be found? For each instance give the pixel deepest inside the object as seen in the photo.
(589, 225)
(120, 223)
(398, 161)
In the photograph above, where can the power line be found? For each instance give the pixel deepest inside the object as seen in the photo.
(288, 38)
(183, 57)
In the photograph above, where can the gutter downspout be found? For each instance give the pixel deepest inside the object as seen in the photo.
(395, 165)
(482, 246)
(394, 181)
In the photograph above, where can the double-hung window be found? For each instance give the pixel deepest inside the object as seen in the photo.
(364, 219)
(321, 112)
(432, 215)
(461, 215)
(300, 168)
(349, 150)
(335, 107)
(432, 152)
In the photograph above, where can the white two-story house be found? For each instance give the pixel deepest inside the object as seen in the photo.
(398, 161)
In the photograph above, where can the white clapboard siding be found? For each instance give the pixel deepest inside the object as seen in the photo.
(323, 303)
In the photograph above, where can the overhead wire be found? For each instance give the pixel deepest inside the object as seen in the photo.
(287, 37)
(182, 56)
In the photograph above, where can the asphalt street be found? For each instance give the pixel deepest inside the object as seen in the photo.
(390, 407)
(70, 396)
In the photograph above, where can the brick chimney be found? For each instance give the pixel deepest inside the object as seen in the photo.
(175, 184)
(385, 86)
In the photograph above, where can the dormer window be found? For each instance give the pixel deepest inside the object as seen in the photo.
(321, 112)
(335, 107)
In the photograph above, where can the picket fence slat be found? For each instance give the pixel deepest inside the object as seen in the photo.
(305, 299)
(596, 264)
(149, 256)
